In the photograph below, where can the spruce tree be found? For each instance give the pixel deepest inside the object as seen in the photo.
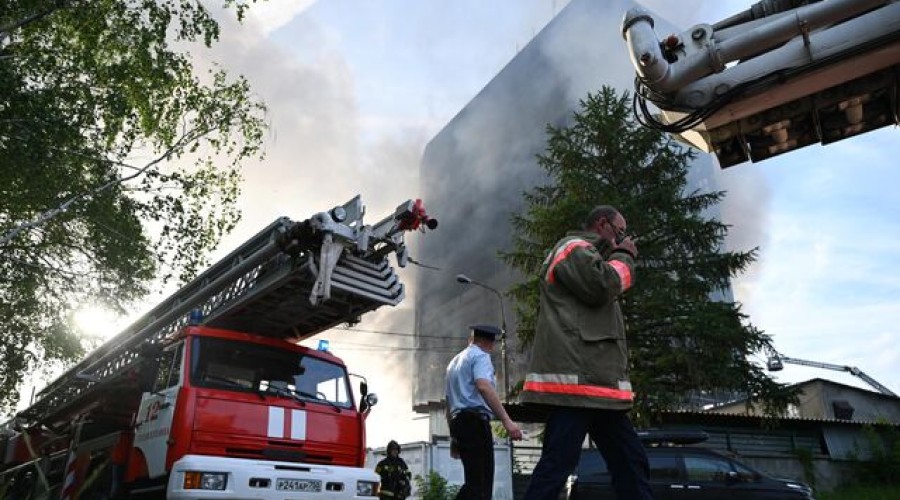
(685, 335)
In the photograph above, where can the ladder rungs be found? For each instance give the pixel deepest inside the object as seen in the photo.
(262, 287)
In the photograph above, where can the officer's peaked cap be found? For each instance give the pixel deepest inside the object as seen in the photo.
(488, 332)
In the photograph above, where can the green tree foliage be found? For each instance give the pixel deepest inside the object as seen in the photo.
(118, 161)
(681, 341)
(881, 465)
(434, 487)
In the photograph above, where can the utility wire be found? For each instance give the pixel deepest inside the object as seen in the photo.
(380, 349)
(399, 334)
(341, 342)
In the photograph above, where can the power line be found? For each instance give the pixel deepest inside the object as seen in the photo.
(355, 346)
(400, 334)
(386, 348)
(341, 342)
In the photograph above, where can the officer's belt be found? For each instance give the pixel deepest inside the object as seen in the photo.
(471, 412)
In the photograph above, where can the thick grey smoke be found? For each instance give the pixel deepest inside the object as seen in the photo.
(475, 170)
(321, 151)
(315, 159)
(746, 209)
(312, 148)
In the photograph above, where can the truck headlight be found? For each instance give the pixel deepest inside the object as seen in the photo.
(366, 489)
(197, 480)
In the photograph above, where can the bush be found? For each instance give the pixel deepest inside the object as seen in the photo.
(883, 467)
(435, 487)
(862, 493)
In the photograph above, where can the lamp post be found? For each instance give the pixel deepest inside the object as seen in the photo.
(465, 280)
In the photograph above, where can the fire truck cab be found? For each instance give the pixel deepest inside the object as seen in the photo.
(243, 412)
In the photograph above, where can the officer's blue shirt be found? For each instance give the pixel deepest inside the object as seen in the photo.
(464, 369)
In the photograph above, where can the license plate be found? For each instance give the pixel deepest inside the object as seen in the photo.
(298, 485)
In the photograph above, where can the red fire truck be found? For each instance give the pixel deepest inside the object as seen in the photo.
(209, 395)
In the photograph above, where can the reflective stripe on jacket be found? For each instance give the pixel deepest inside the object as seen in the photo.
(580, 356)
(395, 478)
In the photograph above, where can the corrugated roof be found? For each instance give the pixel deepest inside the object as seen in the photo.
(712, 415)
(536, 414)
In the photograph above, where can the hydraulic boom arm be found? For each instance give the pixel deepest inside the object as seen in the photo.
(780, 76)
(775, 363)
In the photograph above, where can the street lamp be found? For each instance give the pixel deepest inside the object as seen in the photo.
(465, 280)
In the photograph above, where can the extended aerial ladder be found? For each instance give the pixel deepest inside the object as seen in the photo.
(779, 76)
(776, 363)
(290, 281)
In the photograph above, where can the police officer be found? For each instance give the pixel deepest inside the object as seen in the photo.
(394, 474)
(472, 402)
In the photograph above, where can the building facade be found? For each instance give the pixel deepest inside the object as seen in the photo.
(475, 170)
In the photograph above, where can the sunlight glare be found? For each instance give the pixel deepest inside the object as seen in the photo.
(94, 320)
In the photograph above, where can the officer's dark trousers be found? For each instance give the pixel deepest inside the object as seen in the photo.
(472, 432)
(612, 434)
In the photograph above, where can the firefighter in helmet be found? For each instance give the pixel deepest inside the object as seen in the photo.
(394, 474)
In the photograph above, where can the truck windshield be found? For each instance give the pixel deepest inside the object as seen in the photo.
(245, 367)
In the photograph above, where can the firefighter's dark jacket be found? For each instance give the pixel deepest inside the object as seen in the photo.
(395, 478)
(580, 357)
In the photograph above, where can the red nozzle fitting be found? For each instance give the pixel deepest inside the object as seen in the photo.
(415, 218)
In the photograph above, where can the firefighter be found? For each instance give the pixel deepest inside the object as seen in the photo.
(394, 474)
(579, 371)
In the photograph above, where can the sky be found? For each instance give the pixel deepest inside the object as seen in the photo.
(356, 89)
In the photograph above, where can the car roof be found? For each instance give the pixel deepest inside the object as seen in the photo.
(591, 458)
(592, 467)
(671, 437)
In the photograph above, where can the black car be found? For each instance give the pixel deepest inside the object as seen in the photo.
(684, 472)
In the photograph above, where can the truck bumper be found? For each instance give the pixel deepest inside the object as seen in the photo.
(261, 479)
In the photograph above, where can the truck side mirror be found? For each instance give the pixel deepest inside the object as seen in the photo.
(367, 402)
(363, 389)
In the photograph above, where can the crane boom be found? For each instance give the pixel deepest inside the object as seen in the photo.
(291, 280)
(780, 76)
(775, 365)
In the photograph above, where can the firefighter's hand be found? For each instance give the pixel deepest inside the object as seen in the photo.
(515, 433)
(628, 245)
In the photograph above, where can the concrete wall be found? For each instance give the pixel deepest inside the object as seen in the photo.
(422, 458)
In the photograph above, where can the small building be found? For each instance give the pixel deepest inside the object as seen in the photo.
(825, 399)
